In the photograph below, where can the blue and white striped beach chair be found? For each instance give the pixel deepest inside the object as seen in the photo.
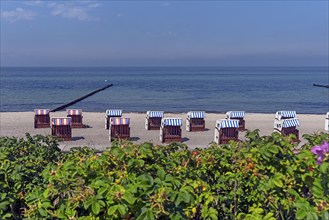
(76, 115)
(285, 114)
(327, 122)
(195, 121)
(153, 120)
(61, 128)
(111, 113)
(226, 130)
(287, 127)
(170, 130)
(237, 115)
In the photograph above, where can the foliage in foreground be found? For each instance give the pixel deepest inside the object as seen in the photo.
(264, 177)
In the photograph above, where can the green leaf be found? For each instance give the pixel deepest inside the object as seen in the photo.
(161, 174)
(129, 197)
(278, 182)
(43, 212)
(272, 149)
(301, 214)
(122, 210)
(112, 210)
(149, 215)
(95, 208)
(324, 167)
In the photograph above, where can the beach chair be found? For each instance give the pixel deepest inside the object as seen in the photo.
(195, 121)
(41, 118)
(153, 120)
(226, 130)
(61, 128)
(111, 113)
(287, 126)
(119, 128)
(285, 115)
(237, 115)
(327, 122)
(170, 130)
(76, 117)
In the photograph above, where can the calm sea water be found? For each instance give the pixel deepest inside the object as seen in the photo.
(171, 89)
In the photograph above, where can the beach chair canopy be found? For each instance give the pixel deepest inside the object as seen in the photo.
(74, 111)
(114, 112)
(288, 123)
(171, 122)
(61, 121)
(41, 111)
(154, 114)
(235, 114)
(194, 114)
(286, 114)
(226, 123)
(119, 121)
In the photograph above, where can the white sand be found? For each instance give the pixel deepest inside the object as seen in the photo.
(18, 123)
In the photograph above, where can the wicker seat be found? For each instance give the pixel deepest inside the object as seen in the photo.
(195, 121)
(226, 130)
(237, 115)
(119, 128)
(61, 128)
(111, 113)
(41, 118)
(153, 120)
(170, 130)
(76, 116)
(287, 126)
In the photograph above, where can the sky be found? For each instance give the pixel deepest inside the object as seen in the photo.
(164, 33)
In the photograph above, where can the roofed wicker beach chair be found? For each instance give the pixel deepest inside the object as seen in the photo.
(226, 130)
(237, 115)
(119, 128)
(153, 120)
(170, 130)
(111, 113)
(41, 118)
(61, 128)
(287, 127)
(195, 121)
(76, 116)
(285, 115)
(327, 122)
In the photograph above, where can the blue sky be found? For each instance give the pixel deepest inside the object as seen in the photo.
(164, 33)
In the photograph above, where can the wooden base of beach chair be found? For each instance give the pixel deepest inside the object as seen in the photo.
(153, 123)
(119, 132)
(62, 132)
(76, 121)
(196, 124)
(228, 134)
(171, 134)
(41, 121)
(287, 131)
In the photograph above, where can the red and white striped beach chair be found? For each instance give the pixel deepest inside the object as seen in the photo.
(195, 121)
(153, 120)
(119, 128)
(61, 128)
(226, 130)
(287, 126)
(41, 118)
(237, 115)
(170, 130)
(111, 113)
(76, 115)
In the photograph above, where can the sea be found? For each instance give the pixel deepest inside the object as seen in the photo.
(169, 89)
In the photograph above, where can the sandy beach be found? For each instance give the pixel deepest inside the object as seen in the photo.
(95, 135)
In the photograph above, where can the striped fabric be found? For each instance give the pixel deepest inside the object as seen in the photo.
(235, 114)
(74, 111)
(154, 114)
(41, 111)
(61, 121)
(225, 123)
(286, 114)
(171, 122)
(288, 123)
(196, 114)
(112, 112)
(119, 121)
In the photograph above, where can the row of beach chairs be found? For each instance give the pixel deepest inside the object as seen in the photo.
(227, 129)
